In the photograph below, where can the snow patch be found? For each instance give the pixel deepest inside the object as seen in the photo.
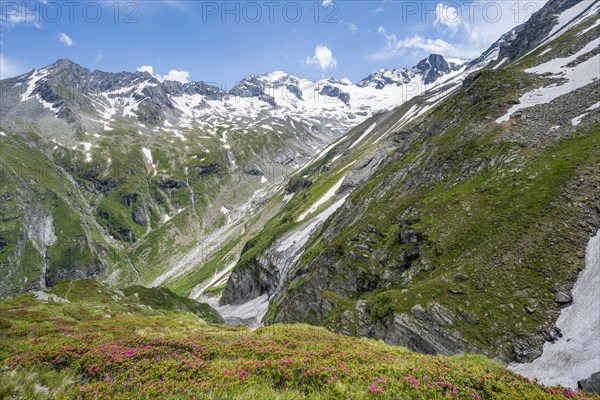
(35, 78)
(324, 199)
(288, 249)
(86, 150)
(594, 106)
(576, 355)
(567, 16)
(577, 120)
(167, 217)
(576, 77)
(500, 63)
(251, 312)
(364, 135)
(589, 28)
(287, 197)
(177, 134)
(148, 155)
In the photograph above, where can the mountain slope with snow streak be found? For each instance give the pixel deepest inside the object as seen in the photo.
(450, 238)
(576, 354)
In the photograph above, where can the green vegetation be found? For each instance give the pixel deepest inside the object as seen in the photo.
(494, 203)
(184, 284)
(103, 345)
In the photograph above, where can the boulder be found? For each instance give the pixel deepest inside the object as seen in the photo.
(562, 297)
(591, 384)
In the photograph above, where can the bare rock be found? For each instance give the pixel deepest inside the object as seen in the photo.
(562, 297)
(591, 384)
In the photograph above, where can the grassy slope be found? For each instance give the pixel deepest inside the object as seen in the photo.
(28, 177)
(116, 183)
(503, 225)
(96, 346)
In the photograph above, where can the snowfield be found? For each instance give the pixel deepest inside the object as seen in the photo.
(576, 355)
(577, 77)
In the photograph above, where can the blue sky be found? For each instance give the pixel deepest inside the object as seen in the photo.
(223, 41)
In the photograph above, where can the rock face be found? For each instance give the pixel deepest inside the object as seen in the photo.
(433, 67)
(422, 329)
(591, 384)
(562, 297)
(425, 330)
(537, 28)
(255, 281)
(335, 92)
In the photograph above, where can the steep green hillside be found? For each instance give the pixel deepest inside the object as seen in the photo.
(458, 233)
(125, 205)
(87, 341)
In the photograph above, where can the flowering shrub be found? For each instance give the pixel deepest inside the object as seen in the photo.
(176, 356)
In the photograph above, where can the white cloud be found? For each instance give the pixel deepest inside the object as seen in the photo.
(9, 67)
(65, 39)
(146, 68)
(173, 75)
(395, 47)
(377, 10)
(327, 2)
(19, 15)
(323, 58)
(179, 76)
(463, 31)
(352, 27)
(448, 16)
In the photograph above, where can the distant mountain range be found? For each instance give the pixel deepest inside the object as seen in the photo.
(92, 100)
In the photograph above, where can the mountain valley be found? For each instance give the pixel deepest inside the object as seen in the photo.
(422, 213)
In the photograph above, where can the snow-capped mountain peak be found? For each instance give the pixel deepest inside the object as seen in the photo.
(97, 99)
(429, 70)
